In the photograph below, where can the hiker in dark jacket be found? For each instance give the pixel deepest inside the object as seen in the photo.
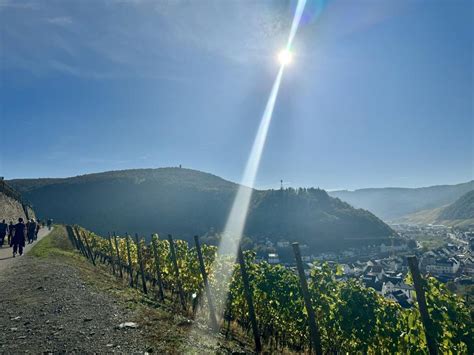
(3, 232)
(18, 240)
(11, 229)
(38, 226)
(31, 227)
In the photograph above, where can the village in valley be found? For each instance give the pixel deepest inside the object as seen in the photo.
(443, 252)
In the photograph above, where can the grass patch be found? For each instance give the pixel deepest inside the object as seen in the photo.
(429, 241)
(55, 243)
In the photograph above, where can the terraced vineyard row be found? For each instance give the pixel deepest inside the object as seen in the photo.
(350, 317)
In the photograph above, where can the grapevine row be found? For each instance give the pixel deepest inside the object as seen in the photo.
(350, 317)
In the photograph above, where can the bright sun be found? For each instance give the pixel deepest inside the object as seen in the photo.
(285, 57)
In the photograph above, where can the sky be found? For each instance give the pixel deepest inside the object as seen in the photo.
(379, 93)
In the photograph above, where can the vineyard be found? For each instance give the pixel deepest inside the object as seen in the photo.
(350, 317)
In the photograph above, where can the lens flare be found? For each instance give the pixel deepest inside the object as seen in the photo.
(285, 57)
(238, 215)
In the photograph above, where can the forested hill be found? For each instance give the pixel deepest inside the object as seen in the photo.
(393, 203)
(186, 202)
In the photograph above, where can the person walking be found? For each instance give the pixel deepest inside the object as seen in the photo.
(31, 228)
(11, 229)
(18, 240)
(50, 221)
(3, 232)
(38, 227)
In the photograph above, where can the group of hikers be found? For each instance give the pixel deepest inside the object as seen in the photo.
(18, 233)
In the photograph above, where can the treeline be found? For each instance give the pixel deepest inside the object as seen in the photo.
(267, 300)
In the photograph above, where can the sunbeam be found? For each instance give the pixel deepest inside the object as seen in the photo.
(238, 215)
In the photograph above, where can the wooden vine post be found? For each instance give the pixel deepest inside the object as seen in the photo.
(129, 257)
(72, 237)
(156, 256)
(176, 271)
(313, 327)
(140, 262)
(249, 299)
(94, 247)
(73, 229)
(418, 282)
(119, 261)
(71, 234)
(86, 244)
(89, 248)
(210, 302)
(111, 253)
(81, 244)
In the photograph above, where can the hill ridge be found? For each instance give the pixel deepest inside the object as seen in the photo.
(393, 203)
(186, 202)
(460, 213)
(402, 188)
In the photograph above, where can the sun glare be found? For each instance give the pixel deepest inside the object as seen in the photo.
(236, 220)
(285, 57)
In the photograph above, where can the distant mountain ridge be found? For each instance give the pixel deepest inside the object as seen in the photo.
(458, 214)
(393, 203)
(185, 202)
(462, 208)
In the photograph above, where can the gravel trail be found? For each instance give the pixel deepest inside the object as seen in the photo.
(46, 307)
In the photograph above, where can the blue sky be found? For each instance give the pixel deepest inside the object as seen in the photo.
(379, 92)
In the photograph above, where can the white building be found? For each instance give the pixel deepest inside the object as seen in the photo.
(273, 259)
(389, 287)
(443, 266)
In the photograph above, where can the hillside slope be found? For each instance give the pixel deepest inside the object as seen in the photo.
(187, 202)
(460, 213)
(393, 203)
(11, 208)
(463, 208)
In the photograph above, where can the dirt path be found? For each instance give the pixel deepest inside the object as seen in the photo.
(54, 301)
(6, 252)
(47, 307)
